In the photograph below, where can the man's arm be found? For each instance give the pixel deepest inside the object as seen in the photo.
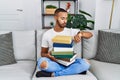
(82, 34)
(85, 34)
(45, 53)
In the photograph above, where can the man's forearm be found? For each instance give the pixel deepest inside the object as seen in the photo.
(48, 55)
(45, 55)
(84, 34)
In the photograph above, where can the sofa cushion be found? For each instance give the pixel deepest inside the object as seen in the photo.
(88, 76)
(22, 70)
(108, 47)
(89, 46)
(104, 70)
(24, 45)
(77, 49)
(6, 49)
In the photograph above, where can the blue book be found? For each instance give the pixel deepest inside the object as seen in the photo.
(63, 45)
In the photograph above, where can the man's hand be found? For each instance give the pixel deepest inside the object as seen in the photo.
(51, 57)
(82, 34)
(45, 53)
(77, 38)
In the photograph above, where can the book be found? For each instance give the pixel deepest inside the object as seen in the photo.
(59, 49)
(64, 56)
(65, 63)
(62, 53)
(62, 39)
(68, 59)
(63, 45)
(68, 62)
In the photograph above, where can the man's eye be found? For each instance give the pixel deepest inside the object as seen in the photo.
(62, 18)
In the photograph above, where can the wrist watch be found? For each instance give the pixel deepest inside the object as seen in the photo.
(80, 34)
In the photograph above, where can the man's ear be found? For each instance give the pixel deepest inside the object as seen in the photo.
(55, 17)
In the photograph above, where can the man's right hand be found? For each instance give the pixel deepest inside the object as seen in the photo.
(51, 57)
(45, 53)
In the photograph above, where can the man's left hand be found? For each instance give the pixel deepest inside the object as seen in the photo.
(77, 37)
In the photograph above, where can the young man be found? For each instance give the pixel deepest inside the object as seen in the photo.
(47, 64)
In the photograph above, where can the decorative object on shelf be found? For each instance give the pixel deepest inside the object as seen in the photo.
(50, 9)
(51, 24)
(68, 6)
(79, 21)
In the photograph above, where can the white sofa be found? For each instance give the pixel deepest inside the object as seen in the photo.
(27, 50)
(102, 70)
(24, 51)
(88, 76)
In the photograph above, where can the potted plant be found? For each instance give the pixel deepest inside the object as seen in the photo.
(79, 21)
(50, 9)
(52, 24)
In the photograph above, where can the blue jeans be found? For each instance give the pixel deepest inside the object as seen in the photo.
(78, 66)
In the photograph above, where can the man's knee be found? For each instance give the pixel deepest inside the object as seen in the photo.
(43, 65)
(86, 65)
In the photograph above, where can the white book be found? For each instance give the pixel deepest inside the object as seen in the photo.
(65, 62)
(57, 49)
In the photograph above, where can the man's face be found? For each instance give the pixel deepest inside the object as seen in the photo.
(61, 19)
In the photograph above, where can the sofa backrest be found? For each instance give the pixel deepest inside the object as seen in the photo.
(89, 46)
(23, 44)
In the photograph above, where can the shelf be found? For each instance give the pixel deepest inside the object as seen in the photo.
(59, 0)
(48, 14)
(51, 14)
(50, 17)
(46, 27)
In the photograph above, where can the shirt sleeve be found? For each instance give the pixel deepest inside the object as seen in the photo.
(44, 41)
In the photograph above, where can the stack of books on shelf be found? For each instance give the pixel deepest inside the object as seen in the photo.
(63, 49)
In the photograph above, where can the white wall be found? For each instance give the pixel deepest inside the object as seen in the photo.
(32, 14)
(88, 6)
(102, 14)
(20, 14)
(99, 9)
(116, 15)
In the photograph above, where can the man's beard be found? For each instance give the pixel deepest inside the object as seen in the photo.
(60, 25)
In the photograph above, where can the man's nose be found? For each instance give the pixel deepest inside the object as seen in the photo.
(65, 21)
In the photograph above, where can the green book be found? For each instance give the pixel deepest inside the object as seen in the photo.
(64, 56)
(62, 53)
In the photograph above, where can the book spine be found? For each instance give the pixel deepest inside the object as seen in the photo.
(63, 45)
(62, 53)
(62, 39)
(63, 56)
(59, 49)
(64, 42)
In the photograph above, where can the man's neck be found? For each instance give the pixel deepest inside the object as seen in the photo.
(58, 29)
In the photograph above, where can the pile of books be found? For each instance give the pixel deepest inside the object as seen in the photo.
(63, 49)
